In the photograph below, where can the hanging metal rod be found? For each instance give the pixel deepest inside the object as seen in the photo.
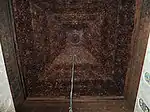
(72, 82)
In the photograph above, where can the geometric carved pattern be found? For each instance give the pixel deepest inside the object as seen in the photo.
(62, 29)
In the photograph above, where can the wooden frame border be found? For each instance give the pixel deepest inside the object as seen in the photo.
(130, 88)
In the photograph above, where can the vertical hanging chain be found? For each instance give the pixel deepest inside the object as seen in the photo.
(72, 80)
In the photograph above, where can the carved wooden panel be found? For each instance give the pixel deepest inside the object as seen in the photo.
(51, 32)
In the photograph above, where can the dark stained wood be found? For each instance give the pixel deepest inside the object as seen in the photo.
(49, 33)
(139, 45)
(97, 106)
(75, 99)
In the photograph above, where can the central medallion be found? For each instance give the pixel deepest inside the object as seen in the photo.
(74, 37)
